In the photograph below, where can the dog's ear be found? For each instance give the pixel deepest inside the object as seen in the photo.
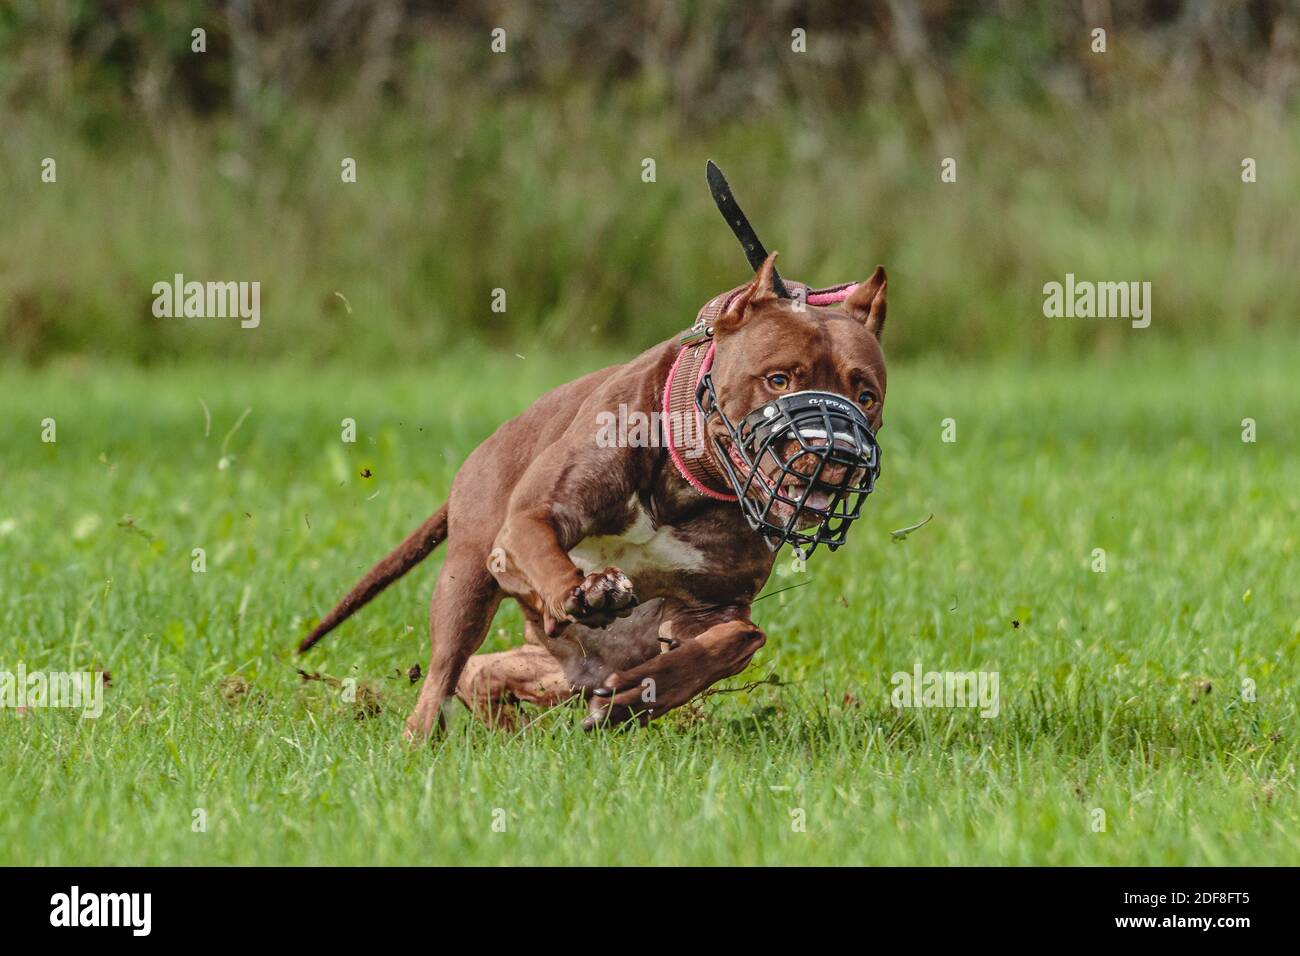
(760, 290)
(867, 302)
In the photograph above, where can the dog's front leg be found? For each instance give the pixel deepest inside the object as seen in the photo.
(675, 676)
(561, 498)
(533, 562)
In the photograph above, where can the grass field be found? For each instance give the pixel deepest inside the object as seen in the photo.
(1120, 691)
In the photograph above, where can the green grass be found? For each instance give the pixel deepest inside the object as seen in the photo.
(1103, 695)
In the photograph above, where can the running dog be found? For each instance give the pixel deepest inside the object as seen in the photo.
(635, 567)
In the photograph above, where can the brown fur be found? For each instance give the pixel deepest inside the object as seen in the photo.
(641, 643)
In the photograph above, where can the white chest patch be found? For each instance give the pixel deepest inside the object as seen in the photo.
(640, 548)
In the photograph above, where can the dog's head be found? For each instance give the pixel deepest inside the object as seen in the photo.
(768, 347)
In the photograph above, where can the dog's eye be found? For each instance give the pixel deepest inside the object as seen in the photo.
(867, 400)
(779, 382)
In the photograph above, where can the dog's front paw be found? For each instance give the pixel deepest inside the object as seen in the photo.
(600, 598)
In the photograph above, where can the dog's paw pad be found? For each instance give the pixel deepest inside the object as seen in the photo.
(601, 597)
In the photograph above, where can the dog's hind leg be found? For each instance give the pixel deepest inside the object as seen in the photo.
(668, 680)
(493, 685)
(464, 601)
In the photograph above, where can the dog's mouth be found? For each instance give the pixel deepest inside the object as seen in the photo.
(801, 465)
(800, 490)
(815, 509)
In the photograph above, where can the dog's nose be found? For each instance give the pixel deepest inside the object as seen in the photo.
(809, 464)
(806, 459)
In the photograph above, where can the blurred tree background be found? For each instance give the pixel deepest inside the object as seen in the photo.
(522, 169)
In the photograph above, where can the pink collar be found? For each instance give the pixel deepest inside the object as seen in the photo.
(689, 355)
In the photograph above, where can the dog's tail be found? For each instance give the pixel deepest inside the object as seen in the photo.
(417, 546)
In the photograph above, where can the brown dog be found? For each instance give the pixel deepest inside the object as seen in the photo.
(634, 575)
